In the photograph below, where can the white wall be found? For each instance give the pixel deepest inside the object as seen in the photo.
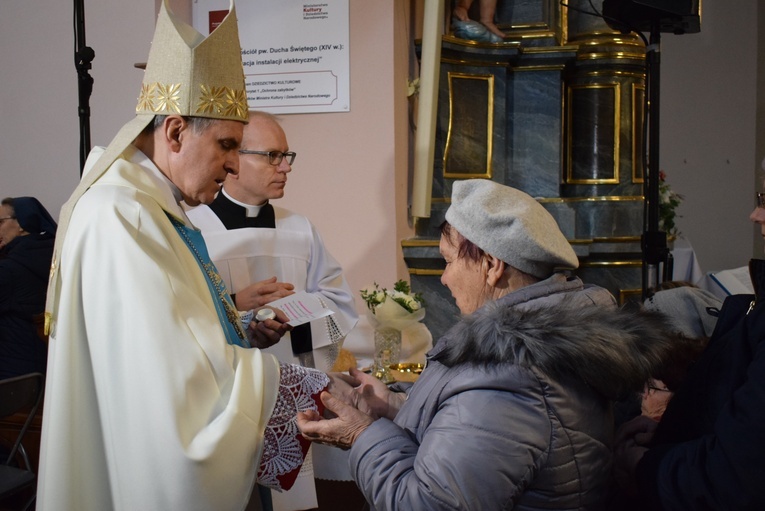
(708, 130)
(39, 135)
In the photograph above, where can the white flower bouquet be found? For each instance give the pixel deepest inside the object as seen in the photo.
(389, 313)
(397, 308)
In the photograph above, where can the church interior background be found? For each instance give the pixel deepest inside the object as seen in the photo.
(556, 110)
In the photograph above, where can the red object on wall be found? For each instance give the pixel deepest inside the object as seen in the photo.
(215, 19)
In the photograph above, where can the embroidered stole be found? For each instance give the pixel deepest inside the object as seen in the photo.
(227, 313)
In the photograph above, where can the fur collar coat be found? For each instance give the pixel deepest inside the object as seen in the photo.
(513, 410)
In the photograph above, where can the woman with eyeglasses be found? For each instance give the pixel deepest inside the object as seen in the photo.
(27, 232)
(693, 315)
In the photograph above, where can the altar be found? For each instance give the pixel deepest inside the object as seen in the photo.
(556, 109)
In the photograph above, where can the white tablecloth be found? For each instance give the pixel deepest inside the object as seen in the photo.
(685, 264)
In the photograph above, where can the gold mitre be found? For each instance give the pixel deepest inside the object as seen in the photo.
(189, 74)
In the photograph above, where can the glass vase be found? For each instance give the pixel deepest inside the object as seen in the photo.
(387, 352)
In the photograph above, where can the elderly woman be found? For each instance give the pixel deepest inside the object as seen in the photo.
(513, 408)
(27, 232)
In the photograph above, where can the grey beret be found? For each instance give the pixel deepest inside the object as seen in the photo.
(510, 225)
(687, 308)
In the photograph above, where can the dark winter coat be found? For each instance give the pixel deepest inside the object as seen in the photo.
(513, 409)
(24, 270)
(709, 449)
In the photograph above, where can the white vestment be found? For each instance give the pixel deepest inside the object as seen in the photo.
(147, 407)
(295, 253)
(292, 252)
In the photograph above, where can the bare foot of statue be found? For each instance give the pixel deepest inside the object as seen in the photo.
(484, 30)
(460, 13)
(494, 29)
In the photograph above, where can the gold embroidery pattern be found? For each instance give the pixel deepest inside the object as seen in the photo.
(211, 100)
(167, 97)
(48, 314)
(231, 314)
(146, 99)
(161, 98)
(237, 103)
(53, 267)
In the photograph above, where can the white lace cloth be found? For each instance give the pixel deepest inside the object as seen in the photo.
(283, 452)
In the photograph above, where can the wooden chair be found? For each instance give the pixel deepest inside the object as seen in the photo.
(21, 393)
(11, 426)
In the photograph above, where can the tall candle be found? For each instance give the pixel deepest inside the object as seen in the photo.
(424, 139)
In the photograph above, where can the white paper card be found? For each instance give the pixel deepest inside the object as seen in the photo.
(301, 307)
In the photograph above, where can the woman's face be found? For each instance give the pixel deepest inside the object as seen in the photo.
(656, 397)
(465, 279)
(9, 226)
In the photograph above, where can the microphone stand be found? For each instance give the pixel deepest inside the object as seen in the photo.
(654, 241)
(83, 56)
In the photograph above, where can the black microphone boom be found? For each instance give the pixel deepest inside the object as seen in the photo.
(654, 16)
(83, 56)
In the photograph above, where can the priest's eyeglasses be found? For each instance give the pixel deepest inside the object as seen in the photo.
(760, 200)
(274, 157)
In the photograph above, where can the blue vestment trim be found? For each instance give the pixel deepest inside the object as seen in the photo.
(224, 306)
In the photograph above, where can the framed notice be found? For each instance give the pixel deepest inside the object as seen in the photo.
(295, 53)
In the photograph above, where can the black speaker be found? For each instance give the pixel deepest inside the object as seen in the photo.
(672, 16)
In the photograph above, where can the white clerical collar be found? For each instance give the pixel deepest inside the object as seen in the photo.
(135, 155)
(252, 211)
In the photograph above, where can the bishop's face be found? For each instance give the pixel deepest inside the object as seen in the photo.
(204, 159)
(258, 179)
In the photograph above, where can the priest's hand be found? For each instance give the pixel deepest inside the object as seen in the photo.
(268, 332)
(341, 431)
(261, 293)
